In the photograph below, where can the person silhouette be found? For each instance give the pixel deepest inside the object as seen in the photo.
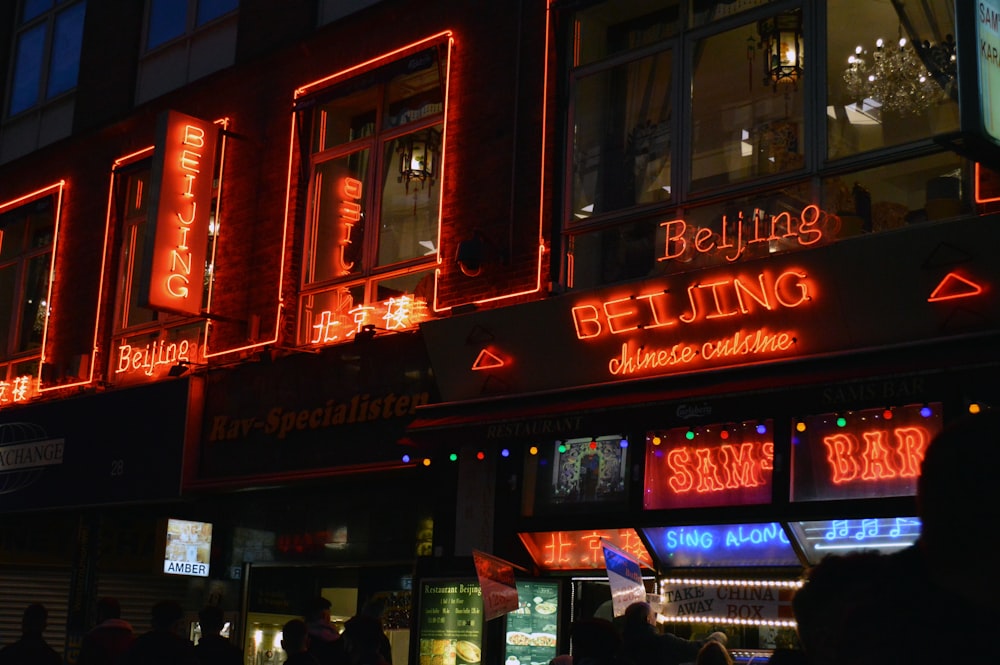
(165, 643)
(325, 643)
(105, 643)
(212, 647)
(919, 605)
(295, 642)
(31, 648)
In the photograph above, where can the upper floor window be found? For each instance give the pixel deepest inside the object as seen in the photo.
(27, 233)
(46, 58)
(147, 342)
(678, 107)
(376, 148)
(170, 19)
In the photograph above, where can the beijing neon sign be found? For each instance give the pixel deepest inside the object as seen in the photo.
(182, 200)
(349, 192)
(737, 298)
(682, 239)
(155, 356)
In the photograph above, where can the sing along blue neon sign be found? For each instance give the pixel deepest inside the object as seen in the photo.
(723, 545)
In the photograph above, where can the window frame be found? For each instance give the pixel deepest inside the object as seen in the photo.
(191, 24)
(372, 274)
(47, 20)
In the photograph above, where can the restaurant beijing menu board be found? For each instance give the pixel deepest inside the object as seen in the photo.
(451, 622)
(532, 629)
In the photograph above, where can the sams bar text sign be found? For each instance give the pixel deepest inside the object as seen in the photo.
(179, 209)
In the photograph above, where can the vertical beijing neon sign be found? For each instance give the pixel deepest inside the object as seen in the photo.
(180, 204)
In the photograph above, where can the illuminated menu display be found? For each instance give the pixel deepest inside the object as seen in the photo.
(722, 545)
(451, 622)
(862, 454)
(716, 465)
(582, 550)
(532, 630)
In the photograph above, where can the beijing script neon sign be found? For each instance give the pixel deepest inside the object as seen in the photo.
(17, 390)
(737, 236)
(397, 313)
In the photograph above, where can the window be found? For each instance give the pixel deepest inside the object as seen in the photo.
(27, 232)
(170, 19)
(891, 79)
(46, 56)
(376, 148)
(694, 125)
(185, 40)
(146, 342)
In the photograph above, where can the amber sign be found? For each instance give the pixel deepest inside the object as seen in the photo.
(180, 207)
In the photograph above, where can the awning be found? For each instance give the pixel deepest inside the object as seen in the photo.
(734, 393)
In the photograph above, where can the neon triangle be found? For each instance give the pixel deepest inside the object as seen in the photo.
(954, 286)
(487, 360)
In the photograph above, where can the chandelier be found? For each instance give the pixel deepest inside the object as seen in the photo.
(902, 79)
(418, 154)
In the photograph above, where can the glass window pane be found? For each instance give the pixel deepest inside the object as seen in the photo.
(899, 194)
(880, 96)
(67, 40)
(408, 227)
(403, 301)
(615, 26)
(133, 251)
(706, 11)
(332, 316)
(34, 8)
(34, 305)
(627, 251)
(8, 280)
(415, 93)
(621, 137)
(27, 69)
(744, 125)
(167, 20)
(344, 119)
(209, 10)
(340, 209)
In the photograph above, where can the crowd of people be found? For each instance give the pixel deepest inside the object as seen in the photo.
(311, 640)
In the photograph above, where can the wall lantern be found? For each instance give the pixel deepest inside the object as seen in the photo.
(781, 39)
(418, 157)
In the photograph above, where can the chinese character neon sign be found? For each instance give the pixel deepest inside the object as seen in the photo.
(397, 313)
(17, 390)
(582, 550)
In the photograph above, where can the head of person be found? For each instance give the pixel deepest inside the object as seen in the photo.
(212, 620)
(317, 610)
(957, 494)
(638, 616)
(713, 652)
(35, 619)
(108, 608)
(167, 615)
(294, 636)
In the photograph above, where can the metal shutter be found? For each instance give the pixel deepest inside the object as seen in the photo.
(138, 593)
(19, 587)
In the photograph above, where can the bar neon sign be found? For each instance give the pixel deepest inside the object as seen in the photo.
(181, 198)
